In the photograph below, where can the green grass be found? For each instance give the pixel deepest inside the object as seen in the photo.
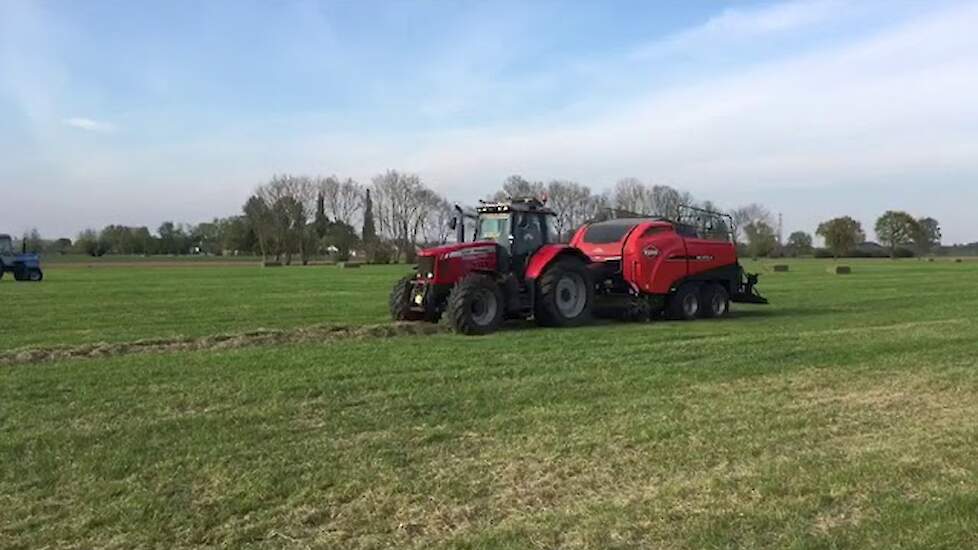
(840, 416)
(114, 259)
(75, 305)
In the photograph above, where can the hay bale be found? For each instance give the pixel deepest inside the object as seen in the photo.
(841, 270)
(782, 268)
(271, 264)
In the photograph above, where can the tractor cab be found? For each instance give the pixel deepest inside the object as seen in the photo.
(6, 248)
(519, 227)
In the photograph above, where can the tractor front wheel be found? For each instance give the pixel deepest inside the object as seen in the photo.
(400, 301)
(35, 275)
(475, 305)
(564, 295)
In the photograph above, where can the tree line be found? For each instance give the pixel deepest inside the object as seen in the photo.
(295, 218)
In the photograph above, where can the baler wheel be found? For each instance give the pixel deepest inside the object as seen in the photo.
(564, 295)
(685, 304)
(475, 306)
(715, 301)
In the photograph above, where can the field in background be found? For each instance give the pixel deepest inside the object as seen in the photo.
(76, 304)
(841, 415)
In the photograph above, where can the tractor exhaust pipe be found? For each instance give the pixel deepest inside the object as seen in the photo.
(458, 224)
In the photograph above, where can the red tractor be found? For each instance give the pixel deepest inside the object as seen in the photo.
(516, 268)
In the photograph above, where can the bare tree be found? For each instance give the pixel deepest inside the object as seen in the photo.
(749, 214)
(438, 215)
(260, 217)
(399, 207)
(518, 186)
(343, 199)
(666, 201)
(573, 204)
(291, 201)
(630, 195)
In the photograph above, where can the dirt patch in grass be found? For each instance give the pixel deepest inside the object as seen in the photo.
(257, 337)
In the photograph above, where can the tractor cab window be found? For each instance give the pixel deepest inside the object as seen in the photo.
(6, 246)
(529, 232)
(494, 227)
(550, 226)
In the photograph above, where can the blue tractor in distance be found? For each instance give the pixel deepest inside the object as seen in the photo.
(24, 266)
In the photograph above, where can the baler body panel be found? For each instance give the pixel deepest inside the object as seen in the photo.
(655, 258)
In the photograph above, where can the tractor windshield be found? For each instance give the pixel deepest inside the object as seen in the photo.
(494, 227)
(6, 246)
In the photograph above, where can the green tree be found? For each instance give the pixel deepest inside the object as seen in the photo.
(841, 234)
(173, 239)
(88, 243)
(895, 229)
(321, 221)
(799, 243)
(369, 232)
(761, 240)
(259, 217)
(341, 237)
(61, 246)
(927, 235)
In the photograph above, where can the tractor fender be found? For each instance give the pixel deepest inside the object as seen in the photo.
(548, 254)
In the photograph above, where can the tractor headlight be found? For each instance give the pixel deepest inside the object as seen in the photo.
(431, 275)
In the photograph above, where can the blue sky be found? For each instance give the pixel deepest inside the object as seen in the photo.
(136, 112)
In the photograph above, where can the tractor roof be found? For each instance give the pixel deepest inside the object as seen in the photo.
(4, 236)
(522, 204)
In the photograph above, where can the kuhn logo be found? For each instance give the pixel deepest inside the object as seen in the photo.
(650, 251)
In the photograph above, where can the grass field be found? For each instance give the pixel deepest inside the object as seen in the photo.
(843, 415)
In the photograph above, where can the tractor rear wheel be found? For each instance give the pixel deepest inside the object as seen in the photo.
(564, 295)
(400, 301)
(476, 305)
(685, 304)
(715, 301)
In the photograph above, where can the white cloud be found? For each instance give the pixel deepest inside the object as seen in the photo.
(897, 102)
(895, 106)
(740, 24)
(89, 124)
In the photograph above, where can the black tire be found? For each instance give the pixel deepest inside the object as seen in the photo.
(565, 295)
(35, 275)
(475, 306)
(715, 301)
(20, 274)
(400, 301)
(684, 305)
